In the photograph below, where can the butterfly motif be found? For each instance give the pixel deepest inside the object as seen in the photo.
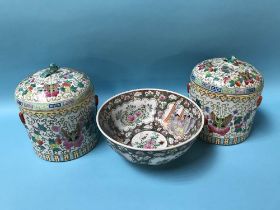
(219, 125)
(73, 135)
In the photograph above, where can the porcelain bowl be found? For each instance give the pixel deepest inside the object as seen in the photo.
(150, 126)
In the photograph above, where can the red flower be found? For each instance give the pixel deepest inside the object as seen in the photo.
(58, 141)
(201, 66)
(130, 118)
(40, 142)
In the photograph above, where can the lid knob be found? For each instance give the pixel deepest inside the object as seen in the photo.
(49, 71)
(232, 59)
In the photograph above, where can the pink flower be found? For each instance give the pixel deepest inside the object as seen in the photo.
(162, 97)
(226, 79)
(130, 118)
(54, 93)
(56, 129)
(149, 145)
(201, 66)
(48, 94)
(138, 113)
(186, 103)
(160, 113)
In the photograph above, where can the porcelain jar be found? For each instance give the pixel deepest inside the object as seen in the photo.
(58, 108)
(229, 93)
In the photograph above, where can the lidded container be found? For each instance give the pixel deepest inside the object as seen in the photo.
(58, 108)
(229, 93)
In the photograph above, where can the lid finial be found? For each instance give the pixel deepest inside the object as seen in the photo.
(232, 59)
(49, 71)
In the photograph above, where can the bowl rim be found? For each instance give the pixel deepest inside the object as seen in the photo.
(142, 149)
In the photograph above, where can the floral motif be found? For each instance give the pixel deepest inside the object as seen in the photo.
(229, 76)
(131, 114)
(149, 140)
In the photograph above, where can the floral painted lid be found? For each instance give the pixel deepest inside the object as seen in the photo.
(52, 88)
(228, 76)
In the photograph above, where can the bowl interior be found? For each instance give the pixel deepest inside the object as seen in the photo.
(150, 119)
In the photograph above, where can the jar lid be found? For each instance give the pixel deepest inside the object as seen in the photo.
(52, 88)
(228, 76)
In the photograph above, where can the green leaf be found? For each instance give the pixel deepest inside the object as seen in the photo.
(208, 75)
(81, 85)
(56, 149)
(33, 139)
(36, 132)
(24, 92)
(231, 83)
(238, 130)
(73, 89)
(216, 78)
(33, 85)
(42, 147)
(51, 141)
(238, 120)
(62, 89)
(42, 128)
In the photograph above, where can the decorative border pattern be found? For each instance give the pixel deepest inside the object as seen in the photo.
(224, 97)
(63, 111)
(204, 135)
(67, 156)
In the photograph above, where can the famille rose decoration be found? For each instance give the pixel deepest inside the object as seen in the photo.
(229, 93)
(150, 126)
(58, 108)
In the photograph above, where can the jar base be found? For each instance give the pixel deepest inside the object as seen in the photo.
(225, 141)
(68, 156)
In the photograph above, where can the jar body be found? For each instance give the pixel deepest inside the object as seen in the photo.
(228, 118)
(63, 134)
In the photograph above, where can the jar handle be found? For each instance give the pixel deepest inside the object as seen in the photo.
(96, 100)
(21, 117)
(188, 87)
(49, 71)
(259, 101)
